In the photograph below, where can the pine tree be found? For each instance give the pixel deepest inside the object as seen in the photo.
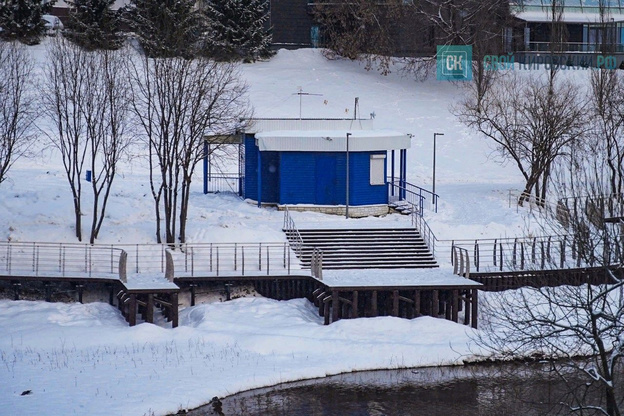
(93, 25)
(21, 20)
(166, 28)
(238, 29)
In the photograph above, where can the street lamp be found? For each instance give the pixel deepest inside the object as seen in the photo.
(347, 195)
(434, 162)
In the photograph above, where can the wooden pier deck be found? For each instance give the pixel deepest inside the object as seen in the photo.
(406, 293)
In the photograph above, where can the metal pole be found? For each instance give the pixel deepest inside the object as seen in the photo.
(347, 195)
(434, 163)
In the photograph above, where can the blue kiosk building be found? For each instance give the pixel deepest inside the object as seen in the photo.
(325, 165)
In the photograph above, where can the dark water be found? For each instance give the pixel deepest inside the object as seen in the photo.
(492, 390)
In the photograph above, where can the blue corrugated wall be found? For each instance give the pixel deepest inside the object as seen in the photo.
(311, 177)
(270, 172)
(319, 178)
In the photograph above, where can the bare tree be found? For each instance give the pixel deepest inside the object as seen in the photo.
(532, 121)
(17, 105)
(607, 108)
(177, 102)
(567, 322)
(105, 112)
(85, 97)
(63, 98)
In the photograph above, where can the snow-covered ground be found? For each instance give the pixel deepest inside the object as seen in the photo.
(84, 359)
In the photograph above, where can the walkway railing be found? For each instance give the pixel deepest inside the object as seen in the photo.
(62, 259)
(232, 259)
(316, 263)
(461, 265)
(535, 253)
(296, 241)
(413, 194)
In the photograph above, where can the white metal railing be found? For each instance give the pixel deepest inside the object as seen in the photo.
(294, 237)
(231, 259)
(415, 195)
(461, 266)
(536, 253)
(316, 263)
(62, 259)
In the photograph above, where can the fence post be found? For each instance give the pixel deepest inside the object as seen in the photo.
(476, 254)
(562, 254)
(123, 260)
(452, 252)
(493, 254)
(243, 260)
(267, 260)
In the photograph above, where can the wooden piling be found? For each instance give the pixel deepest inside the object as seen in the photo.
(416, 303)
(455, 305)
(132, 310)
(467, 306)
(374, 312)
(395, 303)
(354, 304)
(192, 287)
(149, 308)
(174, 310)
(474, 307)
(335, 305)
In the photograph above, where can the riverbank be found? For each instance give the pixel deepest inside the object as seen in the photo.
(68, 359)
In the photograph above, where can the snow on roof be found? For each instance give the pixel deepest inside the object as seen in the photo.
(331, 140)
(568, 17)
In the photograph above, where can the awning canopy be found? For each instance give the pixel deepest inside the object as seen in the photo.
(331, 140)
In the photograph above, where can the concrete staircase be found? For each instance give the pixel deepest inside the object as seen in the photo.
(390, 248)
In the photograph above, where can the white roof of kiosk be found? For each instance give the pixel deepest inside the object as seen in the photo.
(308, 135)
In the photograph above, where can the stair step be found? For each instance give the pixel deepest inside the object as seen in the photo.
(386, 248)
(357, 231)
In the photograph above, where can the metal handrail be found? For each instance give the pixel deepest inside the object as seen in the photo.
(234, 259)
(316, 263)
(418, 221)
(536, 253)
(62, 259)
(461, 266)
(292, 232)
(405, 191)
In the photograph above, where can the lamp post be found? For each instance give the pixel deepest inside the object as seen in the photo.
(434, 162)
(347, 192)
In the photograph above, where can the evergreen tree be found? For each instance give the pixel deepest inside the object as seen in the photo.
(238, 29)
(166, 28)
(21, 20)
(93, 25)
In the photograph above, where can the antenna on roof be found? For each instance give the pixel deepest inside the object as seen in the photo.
(300, 93)
(355, 107)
